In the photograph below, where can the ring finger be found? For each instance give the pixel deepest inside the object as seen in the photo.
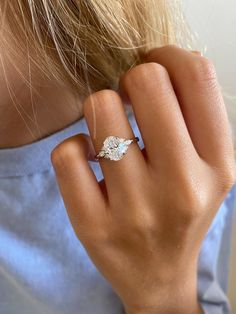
(105, 116)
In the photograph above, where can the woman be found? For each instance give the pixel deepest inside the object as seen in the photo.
(149, 231)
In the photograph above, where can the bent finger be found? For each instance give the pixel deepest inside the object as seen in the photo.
(201, 101)
(83, 198)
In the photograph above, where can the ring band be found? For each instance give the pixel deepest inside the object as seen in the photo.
(114, 148)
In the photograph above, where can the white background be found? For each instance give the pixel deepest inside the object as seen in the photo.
(214, 21)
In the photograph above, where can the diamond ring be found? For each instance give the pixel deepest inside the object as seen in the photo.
(114, 148)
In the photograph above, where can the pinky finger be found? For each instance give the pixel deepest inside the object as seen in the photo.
(82, 195)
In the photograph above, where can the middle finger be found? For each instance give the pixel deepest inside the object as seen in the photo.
(159, 117)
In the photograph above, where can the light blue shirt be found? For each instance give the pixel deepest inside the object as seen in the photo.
(44, 269)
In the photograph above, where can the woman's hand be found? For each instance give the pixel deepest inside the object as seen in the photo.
(144, 224)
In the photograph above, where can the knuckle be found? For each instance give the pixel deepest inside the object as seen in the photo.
(145, 73)
(192, 202)
(227, 179)
(59, 158)
(65, 152)
(202, 70)
(57, 155)
(141, 226)
(103, 100)
(190, 210)
(169, 48)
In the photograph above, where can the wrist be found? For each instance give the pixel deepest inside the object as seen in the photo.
(170, 309)
(193, 310)
(176, 298)
(198, 310)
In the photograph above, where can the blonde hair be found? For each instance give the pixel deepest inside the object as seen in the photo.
(89, 43)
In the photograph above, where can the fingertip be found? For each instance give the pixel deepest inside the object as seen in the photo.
(79, 145)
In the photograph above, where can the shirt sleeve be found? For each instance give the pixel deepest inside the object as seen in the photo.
(213, 264)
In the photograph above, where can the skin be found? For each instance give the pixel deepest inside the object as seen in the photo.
(29, 114)
(146, 234)
(144, 224)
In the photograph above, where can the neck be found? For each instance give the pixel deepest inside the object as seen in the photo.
(29, 114)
